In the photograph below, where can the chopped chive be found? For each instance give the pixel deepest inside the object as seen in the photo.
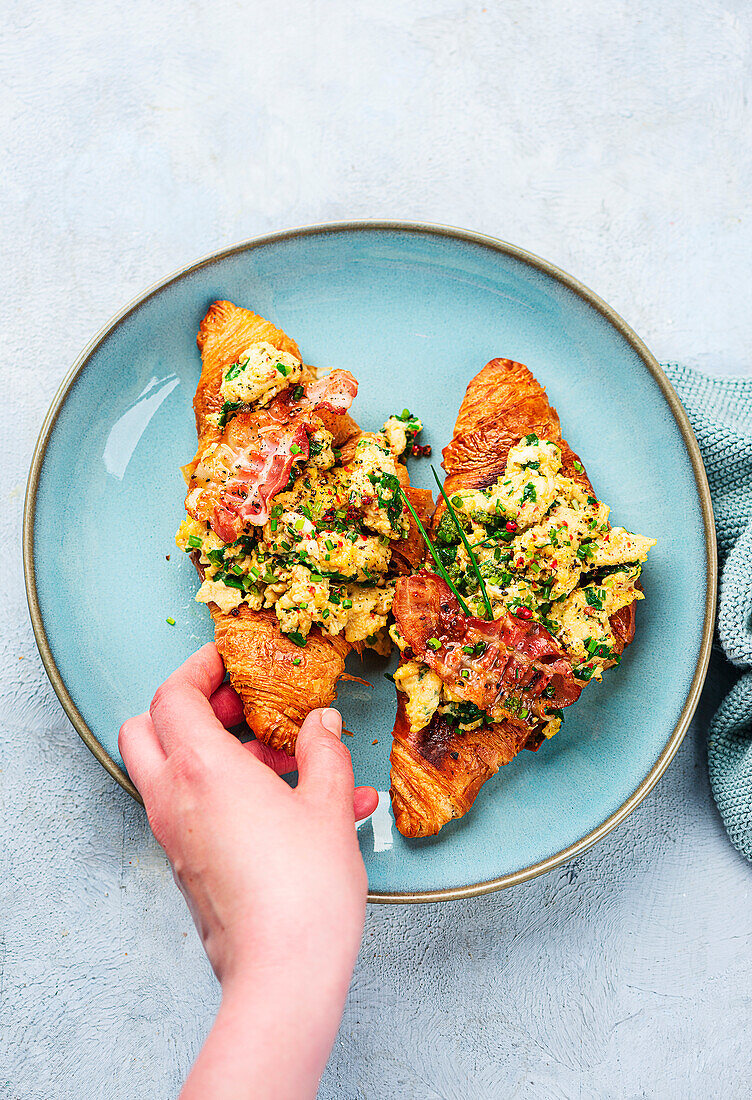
(297, 638)
(229, 580)
(297, 660)
(434, 643)
(194, 541)
(432, 550)
(466, 544)
(170, 620)
(347, 604)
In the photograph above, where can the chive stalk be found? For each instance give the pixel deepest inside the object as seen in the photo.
(465, 543)
(432, 550)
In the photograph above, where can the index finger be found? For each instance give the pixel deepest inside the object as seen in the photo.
(180, 710)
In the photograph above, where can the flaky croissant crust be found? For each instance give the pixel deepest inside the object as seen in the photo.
(437, 772)
(278, 681)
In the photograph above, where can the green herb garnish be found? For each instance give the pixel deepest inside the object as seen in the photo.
(432, 551)
(592, 599)
(235, 369)
(227, 408)
(465, 542)
(297, 638)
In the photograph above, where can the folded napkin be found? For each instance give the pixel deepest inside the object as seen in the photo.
(720, 411)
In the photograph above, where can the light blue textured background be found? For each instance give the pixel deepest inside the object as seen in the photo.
(611, 138)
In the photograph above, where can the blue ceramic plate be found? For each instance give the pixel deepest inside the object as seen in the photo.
(414, 312)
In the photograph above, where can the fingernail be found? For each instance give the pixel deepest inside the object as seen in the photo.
(331, 720)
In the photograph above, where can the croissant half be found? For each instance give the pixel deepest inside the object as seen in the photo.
(278, 680)
(437, 771)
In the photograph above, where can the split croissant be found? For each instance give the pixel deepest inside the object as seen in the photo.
(278, 681)
(437, 772)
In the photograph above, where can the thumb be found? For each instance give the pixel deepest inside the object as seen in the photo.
(325, 772)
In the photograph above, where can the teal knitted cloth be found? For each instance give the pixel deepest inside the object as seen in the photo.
(720, 411)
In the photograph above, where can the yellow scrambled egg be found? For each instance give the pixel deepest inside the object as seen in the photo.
(259, 374)
(324, 556)
(543, 544)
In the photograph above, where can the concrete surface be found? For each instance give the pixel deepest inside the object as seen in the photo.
(612, 138)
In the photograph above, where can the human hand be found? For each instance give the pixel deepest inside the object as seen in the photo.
(273, 876)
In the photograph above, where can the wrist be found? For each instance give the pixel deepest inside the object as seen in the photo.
(263, 1009)
(302, 985)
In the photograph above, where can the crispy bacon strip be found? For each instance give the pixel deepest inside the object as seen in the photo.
(263, 471)
(335, 393)
(262, 446)
(518, 662)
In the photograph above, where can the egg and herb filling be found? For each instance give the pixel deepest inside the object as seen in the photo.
(257, 376)
(324, 556)
(544, 551)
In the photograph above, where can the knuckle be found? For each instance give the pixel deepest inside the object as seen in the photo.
(161, 696)
(187, 766)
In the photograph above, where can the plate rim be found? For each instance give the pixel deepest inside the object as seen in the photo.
(421, 229)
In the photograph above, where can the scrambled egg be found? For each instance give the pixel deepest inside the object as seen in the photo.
(259, 374)
(542, 545)
(400, 431)
(581, 620)
(323, 558)
(374, 486)
(423, 690)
